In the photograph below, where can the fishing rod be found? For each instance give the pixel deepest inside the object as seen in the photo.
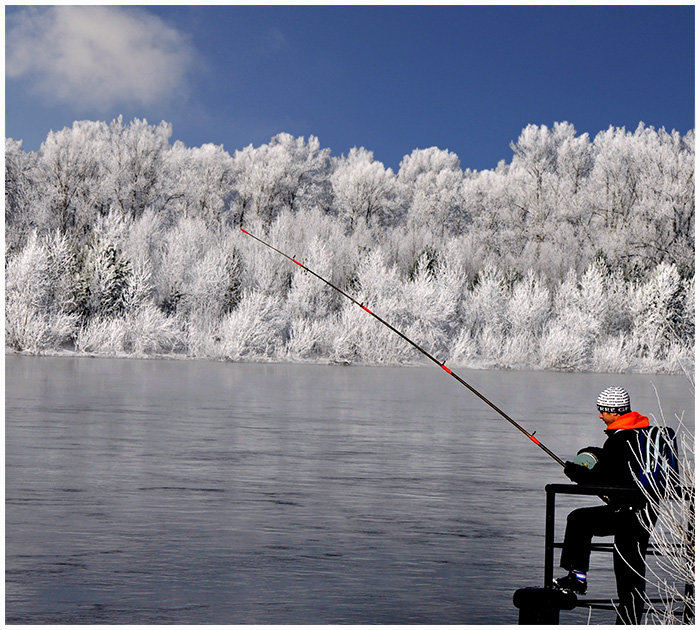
(531, 436)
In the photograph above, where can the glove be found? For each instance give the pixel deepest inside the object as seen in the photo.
(576, 473)
(596, 450)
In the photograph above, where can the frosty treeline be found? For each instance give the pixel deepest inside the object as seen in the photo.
(577, 254)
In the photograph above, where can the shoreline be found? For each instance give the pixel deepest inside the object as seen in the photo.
(477, 366)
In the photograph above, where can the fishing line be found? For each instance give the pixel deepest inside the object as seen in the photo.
(423, 351)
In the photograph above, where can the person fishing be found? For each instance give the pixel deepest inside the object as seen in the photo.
(623, 517)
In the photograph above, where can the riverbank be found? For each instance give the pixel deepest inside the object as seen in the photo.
(684, 365)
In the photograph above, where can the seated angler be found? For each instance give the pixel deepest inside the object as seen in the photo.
(617, 463)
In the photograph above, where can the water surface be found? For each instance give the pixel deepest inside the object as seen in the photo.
(204, 492)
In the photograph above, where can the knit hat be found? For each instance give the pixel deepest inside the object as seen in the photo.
(614, 400)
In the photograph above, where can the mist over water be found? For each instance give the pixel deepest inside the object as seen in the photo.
(204, 492)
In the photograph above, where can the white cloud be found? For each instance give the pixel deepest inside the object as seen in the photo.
(97, 55)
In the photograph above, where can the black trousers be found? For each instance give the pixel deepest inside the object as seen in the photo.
(631, 540)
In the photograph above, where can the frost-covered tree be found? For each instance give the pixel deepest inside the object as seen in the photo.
(135, 165)
(496, 223)
(363, 189)
(615, 177)
(200, 181)
(432, 179)
(662, 223)
(574, 160)
(106, 281)
(535, 152)
(20, 190)
(549, 167)
(286, 173)
(69, 176)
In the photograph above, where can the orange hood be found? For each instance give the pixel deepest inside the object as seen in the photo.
(632, 420)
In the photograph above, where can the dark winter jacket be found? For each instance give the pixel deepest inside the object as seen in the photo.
(618, 460)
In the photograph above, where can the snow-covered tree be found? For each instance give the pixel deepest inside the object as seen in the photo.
(432, 179)
(286, 173)
(20, 190)
(69, 174)
(135, 165)
(200, 181)
(363, 189)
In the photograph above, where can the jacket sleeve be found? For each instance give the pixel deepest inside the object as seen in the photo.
(588, 476)
(595, 450)
(580, 474)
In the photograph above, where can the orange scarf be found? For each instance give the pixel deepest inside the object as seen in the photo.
(632, 420)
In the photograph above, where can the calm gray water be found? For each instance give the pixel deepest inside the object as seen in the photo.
(202, 492)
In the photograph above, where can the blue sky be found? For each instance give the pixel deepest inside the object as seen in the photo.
(391, 79)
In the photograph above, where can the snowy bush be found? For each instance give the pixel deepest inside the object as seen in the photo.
(40, 301)
(528, 305)
(42, 273)
(309, 297)
(361, 337)
(369, 342)
(580, 304)
(563, 349)
(578, 323)
(103, 336)
(311, 339)
(144, 241)
(183, 247)
(518, 350)
(486, 302)
(254, 330)
(492, 340)
(611, 354)
(31, 330)
(658, 305)
(432, 297)
(146, 331)
(212, 290)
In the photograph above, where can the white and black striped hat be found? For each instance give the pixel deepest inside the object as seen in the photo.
(614, 400)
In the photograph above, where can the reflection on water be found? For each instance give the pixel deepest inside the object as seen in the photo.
(202, 492)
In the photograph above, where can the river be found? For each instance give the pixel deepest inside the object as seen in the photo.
(191, 492)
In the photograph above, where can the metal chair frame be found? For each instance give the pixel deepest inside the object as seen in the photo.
(550, 544)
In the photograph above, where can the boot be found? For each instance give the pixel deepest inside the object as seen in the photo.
(575, 582)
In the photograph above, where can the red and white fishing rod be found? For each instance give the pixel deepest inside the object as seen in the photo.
(531, 436)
